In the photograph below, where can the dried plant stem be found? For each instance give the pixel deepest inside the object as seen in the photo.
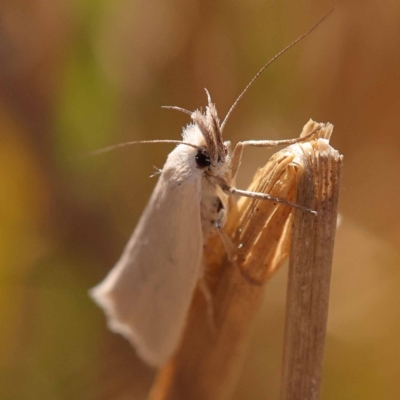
(309, 273)
(209, 358)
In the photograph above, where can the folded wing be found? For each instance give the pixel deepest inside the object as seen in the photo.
(146, 296)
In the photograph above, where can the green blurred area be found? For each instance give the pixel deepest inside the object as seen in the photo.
(76, 76)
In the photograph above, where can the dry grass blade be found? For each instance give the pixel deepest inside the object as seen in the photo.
(209, 358)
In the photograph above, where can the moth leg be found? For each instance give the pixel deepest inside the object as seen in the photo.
(158, 171)
(238, 150)
(265, 196)
(209, 303)
(230, 248)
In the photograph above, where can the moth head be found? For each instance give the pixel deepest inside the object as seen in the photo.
(215, 151)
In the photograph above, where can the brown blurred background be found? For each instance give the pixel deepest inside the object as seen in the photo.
(79, 75)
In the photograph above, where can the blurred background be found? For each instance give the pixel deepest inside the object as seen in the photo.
(78, 75)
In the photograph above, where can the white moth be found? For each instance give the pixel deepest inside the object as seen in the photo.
(146, 296)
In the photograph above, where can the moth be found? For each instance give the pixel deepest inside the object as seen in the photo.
(146, 296)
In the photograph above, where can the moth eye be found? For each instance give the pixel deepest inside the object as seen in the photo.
(202, 159)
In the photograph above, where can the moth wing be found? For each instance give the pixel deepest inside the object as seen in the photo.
(146, 296)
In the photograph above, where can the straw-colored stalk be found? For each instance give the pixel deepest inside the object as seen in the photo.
(209, 357)
(310, 265)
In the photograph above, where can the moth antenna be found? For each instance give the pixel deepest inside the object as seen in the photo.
(125, 144)
(178, 109)
(270, 62)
